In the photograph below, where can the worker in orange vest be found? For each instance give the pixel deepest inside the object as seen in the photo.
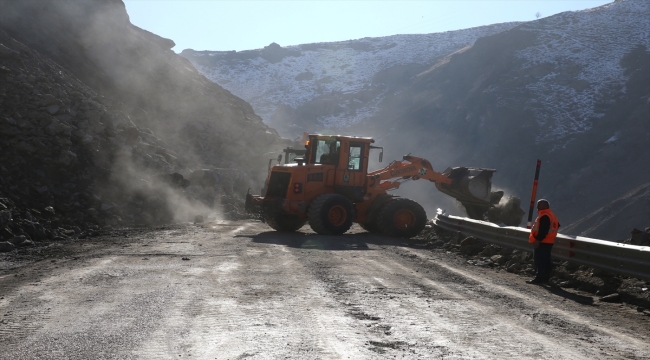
(542, 236)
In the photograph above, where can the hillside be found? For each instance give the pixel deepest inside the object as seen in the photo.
(102, 123)
(328, 85)
(571, 89)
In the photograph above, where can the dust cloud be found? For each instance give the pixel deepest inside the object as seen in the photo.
(152, 198)
(172, 125)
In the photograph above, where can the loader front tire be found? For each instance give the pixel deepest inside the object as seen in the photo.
(402, 218)
(331, 214)
(280, 221)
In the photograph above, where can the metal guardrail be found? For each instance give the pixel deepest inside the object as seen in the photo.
(624, 259)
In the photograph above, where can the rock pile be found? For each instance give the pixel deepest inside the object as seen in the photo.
(25, 227)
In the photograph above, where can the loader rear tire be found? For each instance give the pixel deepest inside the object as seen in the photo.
(331, 214)
(280, 221)
(402, 218)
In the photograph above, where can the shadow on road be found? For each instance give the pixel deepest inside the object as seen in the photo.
(324, 242)
(581, 299)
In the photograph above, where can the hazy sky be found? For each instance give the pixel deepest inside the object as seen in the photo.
(245, 25)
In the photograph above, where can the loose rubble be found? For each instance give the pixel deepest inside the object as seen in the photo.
(606, 286)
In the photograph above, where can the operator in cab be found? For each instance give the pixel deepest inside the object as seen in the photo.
(330, 153)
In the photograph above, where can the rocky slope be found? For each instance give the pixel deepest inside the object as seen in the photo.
(101, 123)
(328, 85)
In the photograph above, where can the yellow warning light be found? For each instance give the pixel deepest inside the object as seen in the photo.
(307, 143)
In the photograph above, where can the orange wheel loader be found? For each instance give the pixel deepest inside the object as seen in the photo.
(331, 188)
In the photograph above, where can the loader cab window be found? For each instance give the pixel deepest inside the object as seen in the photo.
(355, 158)
(291, 155)
(327, 151)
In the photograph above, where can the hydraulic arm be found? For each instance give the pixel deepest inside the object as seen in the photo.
(410, 168)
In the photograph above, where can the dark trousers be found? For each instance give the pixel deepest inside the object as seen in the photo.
(542, 257)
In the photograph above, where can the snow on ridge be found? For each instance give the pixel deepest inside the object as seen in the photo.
(584, 49)
(335, 67)
(595, 40)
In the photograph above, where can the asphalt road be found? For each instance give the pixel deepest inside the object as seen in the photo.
(236, 290)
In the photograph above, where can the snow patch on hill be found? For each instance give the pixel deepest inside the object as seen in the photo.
(324, 68)
(589, 46)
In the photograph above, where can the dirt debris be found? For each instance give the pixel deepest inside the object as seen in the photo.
(508, 212)
(565, 274)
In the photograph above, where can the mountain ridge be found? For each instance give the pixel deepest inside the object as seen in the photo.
(328, 75)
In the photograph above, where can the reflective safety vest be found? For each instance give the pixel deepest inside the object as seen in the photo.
(552, 231)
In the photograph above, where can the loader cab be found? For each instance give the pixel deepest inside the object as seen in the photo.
(325, 150)
(344, 152)
(344, 159)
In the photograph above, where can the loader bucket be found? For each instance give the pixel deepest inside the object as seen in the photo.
(472, 187)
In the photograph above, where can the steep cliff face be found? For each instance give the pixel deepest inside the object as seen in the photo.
(96, 117)
(158, 89)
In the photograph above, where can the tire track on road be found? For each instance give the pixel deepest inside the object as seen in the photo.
(260, 303)
(442, 311)
(96, 319)
(246, 292)
(540, 316)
